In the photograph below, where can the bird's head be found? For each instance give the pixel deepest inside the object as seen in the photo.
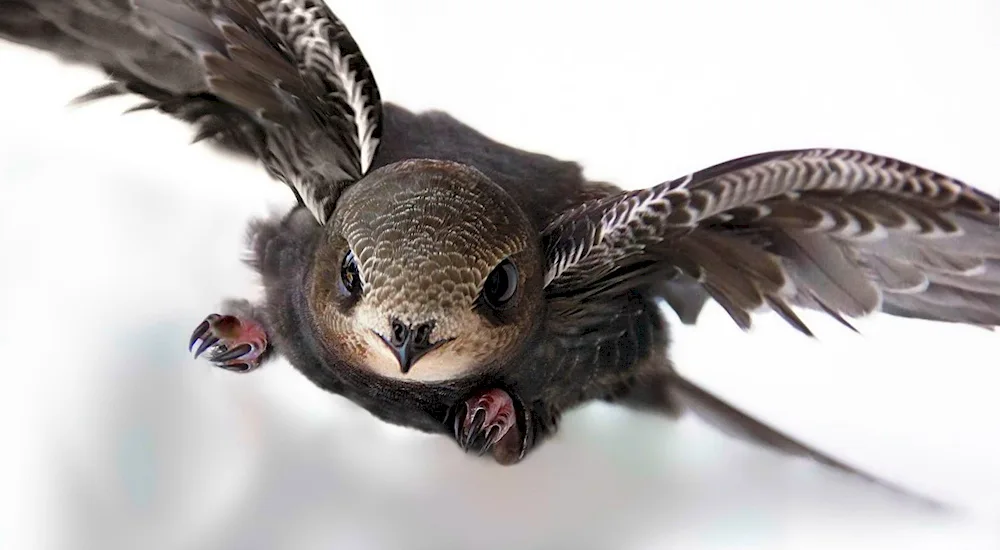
(427, 271)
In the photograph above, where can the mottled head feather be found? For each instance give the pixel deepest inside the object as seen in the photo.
(427, 234)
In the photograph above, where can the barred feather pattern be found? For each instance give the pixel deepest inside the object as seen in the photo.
(845, 232)
(323, 46)
(279, 80)
(294, 64)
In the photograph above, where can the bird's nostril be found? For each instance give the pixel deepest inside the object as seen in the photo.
(422, 334)
(399, 333)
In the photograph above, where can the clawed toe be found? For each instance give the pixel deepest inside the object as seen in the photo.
(482, 421)
(229, 342)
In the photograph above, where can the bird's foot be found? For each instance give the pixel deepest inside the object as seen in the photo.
(229, 342)
(487, 422)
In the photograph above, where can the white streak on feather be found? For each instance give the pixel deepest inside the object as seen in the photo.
(315, 49)
(312, 202)
(359, 105)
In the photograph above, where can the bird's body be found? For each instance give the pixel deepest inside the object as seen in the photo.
(542, 187)
(454, 284)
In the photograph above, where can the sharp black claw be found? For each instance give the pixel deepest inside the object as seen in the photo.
(235, 353)
(459, 419)
(197, 334)
(237, 367)
(479, 444)
(209, 342)
(475, 427)
(490, 439)
(491, 436)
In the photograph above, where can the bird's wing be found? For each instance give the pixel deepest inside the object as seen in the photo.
(280, 80)
(843, 232)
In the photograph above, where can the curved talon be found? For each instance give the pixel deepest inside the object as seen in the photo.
(229, 342)
(459, 420)
(197, 334)
(238, 367)
(207, 343)
(230, 354)
(484, 420)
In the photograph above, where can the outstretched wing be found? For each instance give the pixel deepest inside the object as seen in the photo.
(281, 80)
(844, 232)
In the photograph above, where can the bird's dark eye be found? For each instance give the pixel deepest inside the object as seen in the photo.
(350, 277)
(500, 285)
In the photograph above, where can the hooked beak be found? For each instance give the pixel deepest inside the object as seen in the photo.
(408, 345)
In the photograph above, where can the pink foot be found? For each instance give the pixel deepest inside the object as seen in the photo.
(487, 418)
(231, 343)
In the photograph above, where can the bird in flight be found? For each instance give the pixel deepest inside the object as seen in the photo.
(456, 285)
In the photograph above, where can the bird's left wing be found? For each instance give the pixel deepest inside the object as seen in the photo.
(843, 232)
(280, 80)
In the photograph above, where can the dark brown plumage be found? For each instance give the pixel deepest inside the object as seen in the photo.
(453, 284)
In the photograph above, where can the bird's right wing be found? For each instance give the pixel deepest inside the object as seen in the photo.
(839, 231)
(280, 80)
(844, 232)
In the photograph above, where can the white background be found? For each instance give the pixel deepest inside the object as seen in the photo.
(116, 237)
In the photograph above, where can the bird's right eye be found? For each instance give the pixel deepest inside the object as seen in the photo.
(350, 276)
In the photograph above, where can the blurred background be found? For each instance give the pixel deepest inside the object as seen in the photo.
(117, 237)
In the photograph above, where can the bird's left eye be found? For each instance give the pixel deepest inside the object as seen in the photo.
(501, 284)
(350, 275)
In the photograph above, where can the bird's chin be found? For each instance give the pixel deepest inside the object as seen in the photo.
(438, 365)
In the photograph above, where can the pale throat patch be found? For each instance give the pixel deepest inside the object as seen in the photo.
(436, 366)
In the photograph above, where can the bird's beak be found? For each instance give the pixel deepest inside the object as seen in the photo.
(405, 354)
(408, 351)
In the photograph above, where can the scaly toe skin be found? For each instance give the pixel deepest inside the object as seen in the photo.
(484, 420)
(229, 342)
